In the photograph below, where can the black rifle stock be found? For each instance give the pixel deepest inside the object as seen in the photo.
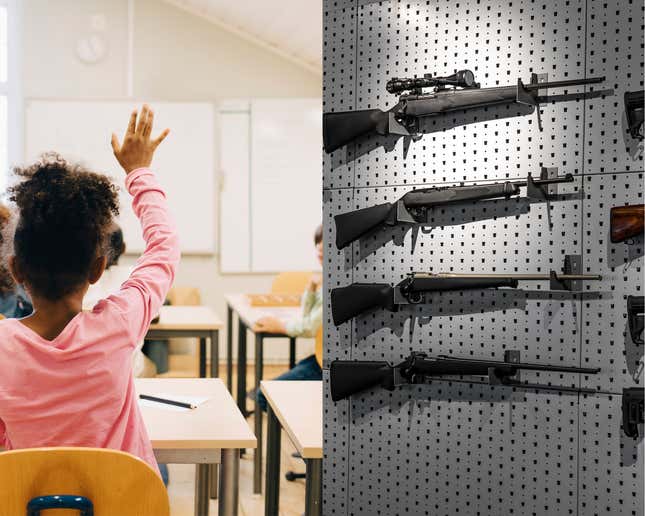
(345, 126)
(348, 302)
(413, 207)
(348, 377)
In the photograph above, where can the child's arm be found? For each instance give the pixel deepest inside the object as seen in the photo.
(144, 292)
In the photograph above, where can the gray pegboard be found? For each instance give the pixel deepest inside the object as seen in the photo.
(486, 237)
(336, 446)
(500, 43)
(605, 336)
(451, 449)
(460, 448)
(339, 83)
(615, 49)
(337, 272)
(611, 464)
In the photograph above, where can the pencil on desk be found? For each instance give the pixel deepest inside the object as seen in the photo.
(167, 402)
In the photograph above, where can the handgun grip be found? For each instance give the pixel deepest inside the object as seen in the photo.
(635, 318)
(343, 127)
(347, 377)
(353, 225)
(348, 302)
(626, 222)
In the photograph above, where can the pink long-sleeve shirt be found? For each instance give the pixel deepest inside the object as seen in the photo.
(78, 389)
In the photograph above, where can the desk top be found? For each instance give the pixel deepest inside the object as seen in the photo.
(214, 424)
(298, 407)
(249, 314)
(187, 318)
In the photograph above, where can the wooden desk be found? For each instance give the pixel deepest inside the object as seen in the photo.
(297, 407)
(191, 321)
(213, 433)
(247, 315)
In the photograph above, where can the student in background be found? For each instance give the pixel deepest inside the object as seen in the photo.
(14, 301)
(65, 374)
(307, 325)
(111, 280)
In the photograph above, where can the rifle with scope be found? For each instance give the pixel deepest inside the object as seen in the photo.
(348, 302)
(414, 206)
(453, 93)
(348, 377)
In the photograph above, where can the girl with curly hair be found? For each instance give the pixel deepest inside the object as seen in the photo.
(65, 374)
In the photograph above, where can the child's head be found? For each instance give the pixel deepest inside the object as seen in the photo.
(64, 215)
(115, 245)
(318, 236)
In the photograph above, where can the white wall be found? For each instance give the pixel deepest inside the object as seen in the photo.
(177, 56)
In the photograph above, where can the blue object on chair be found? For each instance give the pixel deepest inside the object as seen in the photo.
(42, 503)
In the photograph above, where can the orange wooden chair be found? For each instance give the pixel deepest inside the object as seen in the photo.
(90, 480)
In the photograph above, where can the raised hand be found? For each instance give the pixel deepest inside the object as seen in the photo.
(137, 148)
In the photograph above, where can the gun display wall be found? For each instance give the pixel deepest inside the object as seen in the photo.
(442, 200)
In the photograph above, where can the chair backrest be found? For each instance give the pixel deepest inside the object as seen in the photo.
(185, 296)
(291, 282)
(114, 481)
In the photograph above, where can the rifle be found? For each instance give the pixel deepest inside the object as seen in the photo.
(348, 302)
(341, 128)
(349, 377)
(626, 222)
(634, 101)
(636, 317)
(413, 207)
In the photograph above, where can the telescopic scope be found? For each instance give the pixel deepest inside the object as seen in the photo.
(461, 79)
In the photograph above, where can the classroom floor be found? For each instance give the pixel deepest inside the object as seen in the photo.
(181, 488)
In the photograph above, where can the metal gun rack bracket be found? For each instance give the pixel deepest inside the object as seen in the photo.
(572, 265)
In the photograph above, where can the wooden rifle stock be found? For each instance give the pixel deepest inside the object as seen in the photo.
(626, 222)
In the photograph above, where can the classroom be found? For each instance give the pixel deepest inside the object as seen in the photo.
(321, 257)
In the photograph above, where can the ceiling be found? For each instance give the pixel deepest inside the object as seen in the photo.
(291, 28)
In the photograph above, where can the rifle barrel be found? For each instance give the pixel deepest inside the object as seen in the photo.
(520, 277)
(567, 178)
(532, 367)
(564, 84)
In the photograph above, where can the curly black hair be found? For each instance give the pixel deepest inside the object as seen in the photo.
(65, 211)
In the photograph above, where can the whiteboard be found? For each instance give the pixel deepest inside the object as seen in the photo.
(184, 163)
(271, 195)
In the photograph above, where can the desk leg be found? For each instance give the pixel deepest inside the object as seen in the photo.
(229, 348)
(292, 352)
(272, 480)
(202, 357)
(241, 367)
(214, 479)
(257, 415)
(229, 483)
(313, 488)
(201, 489)
(214, 354)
